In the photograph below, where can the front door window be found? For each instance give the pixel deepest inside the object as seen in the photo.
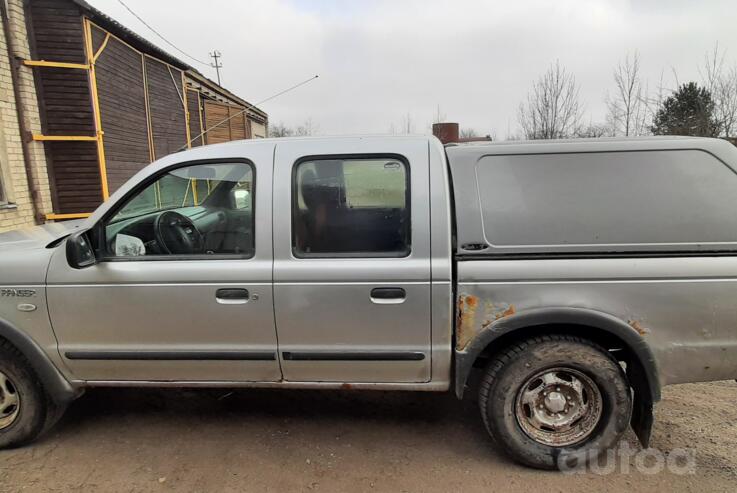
(202, 209)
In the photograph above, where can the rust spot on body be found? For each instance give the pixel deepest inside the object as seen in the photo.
(637, 325)
(465, 329)
(511, 310)
(466, 326)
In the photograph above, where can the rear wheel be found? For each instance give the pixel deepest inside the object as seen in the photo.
(555, 401)
(22, 401)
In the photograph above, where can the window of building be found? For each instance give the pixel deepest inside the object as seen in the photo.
(351, 207)
(203, 209)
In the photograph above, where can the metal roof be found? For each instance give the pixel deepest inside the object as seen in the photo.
(139, 42)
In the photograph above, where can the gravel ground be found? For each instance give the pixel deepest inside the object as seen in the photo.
(277, 440)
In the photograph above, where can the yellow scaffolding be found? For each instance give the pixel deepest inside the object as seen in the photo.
(91, 58)
(63, 138)
(79, 215)
(44, 63)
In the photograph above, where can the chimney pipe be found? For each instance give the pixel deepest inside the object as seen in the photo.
(446, 132)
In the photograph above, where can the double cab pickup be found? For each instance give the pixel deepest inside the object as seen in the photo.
(574, 278)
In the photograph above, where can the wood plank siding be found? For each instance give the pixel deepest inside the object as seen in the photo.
(195, 117)
(119, 71)
(57, 35)
(148, 101)
(77, 176)
(236, 128)
(168, 119)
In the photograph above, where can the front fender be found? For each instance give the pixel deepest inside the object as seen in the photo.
(643, 373)
(55, 384)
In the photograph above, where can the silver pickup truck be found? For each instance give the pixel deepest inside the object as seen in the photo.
(576, 278)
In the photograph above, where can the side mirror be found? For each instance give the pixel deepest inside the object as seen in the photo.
(79, 251)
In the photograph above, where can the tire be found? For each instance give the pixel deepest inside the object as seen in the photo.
(22, 400)
(555, 401)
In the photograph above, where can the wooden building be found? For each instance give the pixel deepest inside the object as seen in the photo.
(110, 103)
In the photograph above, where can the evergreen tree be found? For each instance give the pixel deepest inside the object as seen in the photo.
(688, 111)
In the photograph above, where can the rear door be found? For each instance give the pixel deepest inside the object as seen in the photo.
(352, 260)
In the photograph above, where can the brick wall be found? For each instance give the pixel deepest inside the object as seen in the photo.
(19, 210)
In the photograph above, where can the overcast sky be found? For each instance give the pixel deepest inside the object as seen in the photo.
(379, 61)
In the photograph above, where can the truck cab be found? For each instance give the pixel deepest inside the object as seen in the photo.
(329, 253)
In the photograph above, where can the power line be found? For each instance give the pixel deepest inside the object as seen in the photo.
(286, 90)
(250, 106)
(159, 35)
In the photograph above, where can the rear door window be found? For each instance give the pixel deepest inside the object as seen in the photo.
(351, 207)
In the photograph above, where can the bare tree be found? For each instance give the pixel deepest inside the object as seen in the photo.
(627, 111)
(721, 82)
(280, 130)
(405, 126)
(594, 131)
(439, 116)
(408, 125)
(552, 109)
(307, 128)
(468, 133)
(653, 103)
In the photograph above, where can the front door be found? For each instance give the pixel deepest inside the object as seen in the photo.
(184, 289)
(352, 261)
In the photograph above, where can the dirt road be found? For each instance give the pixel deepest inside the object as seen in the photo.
(267, 440)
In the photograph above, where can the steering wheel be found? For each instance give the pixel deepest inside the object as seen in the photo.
(177, 234)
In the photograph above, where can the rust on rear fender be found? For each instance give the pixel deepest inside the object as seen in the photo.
(469, 324)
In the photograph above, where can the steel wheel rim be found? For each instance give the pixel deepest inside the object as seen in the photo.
(558, 407)
(9, 402)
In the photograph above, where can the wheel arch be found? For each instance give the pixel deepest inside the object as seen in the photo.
(602, 328)
(55, 384)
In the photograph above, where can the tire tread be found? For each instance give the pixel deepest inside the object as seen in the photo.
(511, 352)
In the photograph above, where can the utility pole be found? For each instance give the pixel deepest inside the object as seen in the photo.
(217, 65)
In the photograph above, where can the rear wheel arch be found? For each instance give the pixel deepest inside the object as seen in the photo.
(601, 328)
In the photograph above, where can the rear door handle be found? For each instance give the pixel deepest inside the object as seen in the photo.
(388, 296)
(231, 296)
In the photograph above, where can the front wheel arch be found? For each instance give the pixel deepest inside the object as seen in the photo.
(599, 327)
(58, 388)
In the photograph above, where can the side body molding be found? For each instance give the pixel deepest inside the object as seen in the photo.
(55, 384)
(642, 372)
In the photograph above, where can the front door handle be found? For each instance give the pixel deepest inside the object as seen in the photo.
(231, 296)
(388, 296)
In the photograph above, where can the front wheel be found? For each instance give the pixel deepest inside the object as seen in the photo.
(22, 400)
(555, 401)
